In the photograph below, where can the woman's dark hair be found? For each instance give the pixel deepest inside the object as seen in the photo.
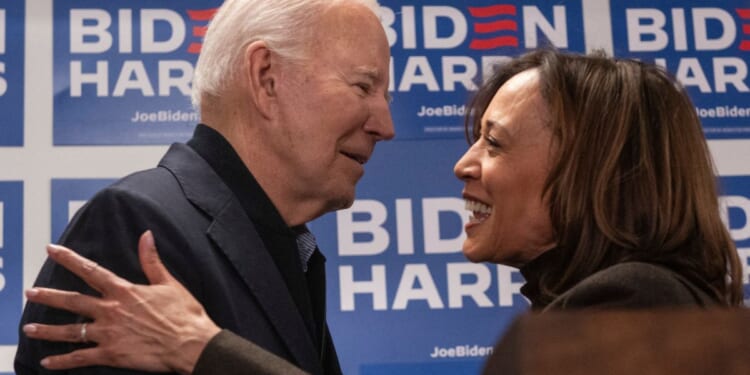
(631, 176)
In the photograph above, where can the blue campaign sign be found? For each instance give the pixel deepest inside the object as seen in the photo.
(706, 46)
(735, 203)
(123, 70)
(11, 260)
(402, 299)
(736, 208)
(441, 50)
(12, 23)
(68, 195)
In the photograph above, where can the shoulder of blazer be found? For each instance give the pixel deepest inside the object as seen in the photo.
(633, 285)
(198, 181)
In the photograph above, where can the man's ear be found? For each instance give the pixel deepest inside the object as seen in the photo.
(261, 75)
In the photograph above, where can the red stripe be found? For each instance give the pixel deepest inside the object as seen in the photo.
(502, 41)
(491, 27)
(745, 45)
(746, 29)
(201, 15)
(744, 13)
(493, 10)
(195, 48)
(200, 30)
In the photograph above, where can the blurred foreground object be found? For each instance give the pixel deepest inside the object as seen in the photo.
(689, 341)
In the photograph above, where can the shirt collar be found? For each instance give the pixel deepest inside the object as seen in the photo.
(218, 152)
(534, 272)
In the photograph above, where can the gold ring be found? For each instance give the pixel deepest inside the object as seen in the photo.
(83, 333)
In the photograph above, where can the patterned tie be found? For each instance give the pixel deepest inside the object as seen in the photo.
(306, 245)
(313, 264)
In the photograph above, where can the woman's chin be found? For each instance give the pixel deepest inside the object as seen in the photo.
(473, 254)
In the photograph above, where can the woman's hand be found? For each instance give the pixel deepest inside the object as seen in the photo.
(158, 327)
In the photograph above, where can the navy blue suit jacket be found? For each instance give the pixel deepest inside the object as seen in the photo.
(205, 239)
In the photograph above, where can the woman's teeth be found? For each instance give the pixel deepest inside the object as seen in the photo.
(480, 211)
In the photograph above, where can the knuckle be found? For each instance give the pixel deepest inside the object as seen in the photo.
(89, 266)
(106, 334)
(76, 358)
(70, 298)
(111, 308)
(130, 288)
(106, 352)
(122, 286)
(111, 355)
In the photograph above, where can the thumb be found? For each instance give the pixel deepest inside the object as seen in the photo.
(150, 261)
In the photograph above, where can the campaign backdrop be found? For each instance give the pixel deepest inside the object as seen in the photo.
(123, 70)
(11, 254)
(735, 202)
(706, 47)
(11, 72)
(91, 91)
(402, 298)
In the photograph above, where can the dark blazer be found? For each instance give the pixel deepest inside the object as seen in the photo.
(205, 239)
(635, 285)
(630, 318)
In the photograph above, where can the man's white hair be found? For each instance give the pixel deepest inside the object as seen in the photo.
(284, 24)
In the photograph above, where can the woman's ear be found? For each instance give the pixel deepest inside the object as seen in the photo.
(261, 75)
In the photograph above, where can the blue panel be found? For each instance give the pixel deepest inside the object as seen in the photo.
(110, 86)
(367, 331)
(736, 193)
(11, 260)
(440, 47)
(706, 46)
(12, 25)
(437, 368)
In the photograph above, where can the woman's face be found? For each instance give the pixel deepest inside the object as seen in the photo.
(504, 173)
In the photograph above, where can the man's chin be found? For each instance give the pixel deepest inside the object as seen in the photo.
(346, 204)
(343, 201)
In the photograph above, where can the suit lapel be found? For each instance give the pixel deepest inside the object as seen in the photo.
(236, 237)
(245, 250)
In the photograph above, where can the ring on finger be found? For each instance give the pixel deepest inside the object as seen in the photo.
(83, 333)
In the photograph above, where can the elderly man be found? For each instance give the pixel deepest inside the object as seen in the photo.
(293, 98)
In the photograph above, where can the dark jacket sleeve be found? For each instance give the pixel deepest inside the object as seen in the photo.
(105, 230)
(229, 354)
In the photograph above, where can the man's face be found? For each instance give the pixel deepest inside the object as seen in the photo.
(333, 109)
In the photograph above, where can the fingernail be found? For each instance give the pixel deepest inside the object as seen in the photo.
(44, 362)
(32, 292)
(53, 249)
(29, 328)
(150, 239)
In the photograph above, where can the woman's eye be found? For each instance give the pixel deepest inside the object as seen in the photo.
(491, 141)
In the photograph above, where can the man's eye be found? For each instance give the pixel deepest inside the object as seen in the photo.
(364, 87)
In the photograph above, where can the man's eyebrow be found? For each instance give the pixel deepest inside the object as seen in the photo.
(369, 72)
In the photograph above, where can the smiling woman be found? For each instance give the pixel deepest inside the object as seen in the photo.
(504, 171)
(592, 175)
